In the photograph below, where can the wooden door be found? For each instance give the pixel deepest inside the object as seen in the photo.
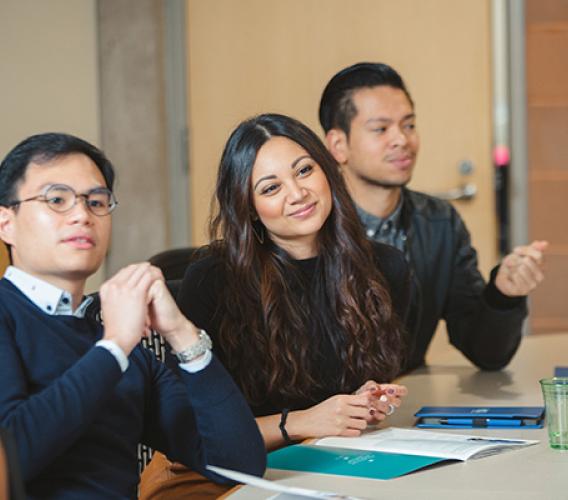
(251, 56)
(547, 95)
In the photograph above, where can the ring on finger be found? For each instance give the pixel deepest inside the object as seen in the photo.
(391, 409)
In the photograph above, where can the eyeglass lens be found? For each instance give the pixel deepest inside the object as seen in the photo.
(62, 198)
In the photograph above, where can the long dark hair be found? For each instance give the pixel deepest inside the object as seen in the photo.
(263, 332)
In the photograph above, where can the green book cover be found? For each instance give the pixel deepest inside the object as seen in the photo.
(347, 462)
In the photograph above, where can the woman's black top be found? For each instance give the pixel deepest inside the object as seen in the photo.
(201, 298)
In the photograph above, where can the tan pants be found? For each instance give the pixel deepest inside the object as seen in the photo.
(165, 480)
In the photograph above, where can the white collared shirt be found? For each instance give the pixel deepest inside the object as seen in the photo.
(50, 299)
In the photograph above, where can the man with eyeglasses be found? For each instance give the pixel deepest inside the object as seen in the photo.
(79, 395)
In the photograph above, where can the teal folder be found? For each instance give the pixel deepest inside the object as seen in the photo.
(347, 462)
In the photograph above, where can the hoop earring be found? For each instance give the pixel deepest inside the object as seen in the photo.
(259, 235)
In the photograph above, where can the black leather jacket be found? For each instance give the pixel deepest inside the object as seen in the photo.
(482, 323)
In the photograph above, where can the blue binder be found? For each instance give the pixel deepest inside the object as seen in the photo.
(485, 417)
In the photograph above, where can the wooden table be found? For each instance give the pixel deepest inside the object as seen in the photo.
(536, 472)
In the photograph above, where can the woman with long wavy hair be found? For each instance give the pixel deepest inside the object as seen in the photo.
(304, 311)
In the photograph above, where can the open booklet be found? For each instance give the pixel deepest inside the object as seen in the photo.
(427, 443)
(388, 453)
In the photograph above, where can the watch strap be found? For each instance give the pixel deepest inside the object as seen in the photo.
(282, 426)
(195, 350)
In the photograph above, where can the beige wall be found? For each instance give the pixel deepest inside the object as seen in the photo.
(48, 63)
(254, 56)
(48, 68)
(250, 56)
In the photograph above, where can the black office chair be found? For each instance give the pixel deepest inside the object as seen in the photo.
(173, 263)
(154, 343)
(11, 483)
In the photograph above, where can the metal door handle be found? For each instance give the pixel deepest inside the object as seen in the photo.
(465, 192)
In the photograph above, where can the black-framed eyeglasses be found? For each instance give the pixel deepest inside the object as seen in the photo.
(62, 198)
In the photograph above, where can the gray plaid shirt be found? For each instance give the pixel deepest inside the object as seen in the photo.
(388, 230)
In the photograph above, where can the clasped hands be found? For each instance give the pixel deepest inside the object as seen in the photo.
(136, 300)
(347, 414)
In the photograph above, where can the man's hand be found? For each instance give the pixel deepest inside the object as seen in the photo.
(124, 304)
(167, 319)
(522, 270)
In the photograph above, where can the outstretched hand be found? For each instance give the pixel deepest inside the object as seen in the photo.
(522, 270)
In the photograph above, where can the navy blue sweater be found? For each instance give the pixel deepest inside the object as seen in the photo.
(77, 419)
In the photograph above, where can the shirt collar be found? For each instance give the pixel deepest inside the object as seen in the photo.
(50, 299)
(373, 223)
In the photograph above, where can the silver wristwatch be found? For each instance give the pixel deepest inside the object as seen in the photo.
(195, 350)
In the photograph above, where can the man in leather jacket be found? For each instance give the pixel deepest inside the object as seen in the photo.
(368, 116)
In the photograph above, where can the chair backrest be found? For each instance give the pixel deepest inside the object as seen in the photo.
(155, 343)
(11, 483)
(94, 309)
(173, 263)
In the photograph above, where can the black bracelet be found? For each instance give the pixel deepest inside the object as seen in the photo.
(282, 426)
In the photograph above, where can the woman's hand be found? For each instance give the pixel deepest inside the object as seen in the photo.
(386, 398)
(341, 415)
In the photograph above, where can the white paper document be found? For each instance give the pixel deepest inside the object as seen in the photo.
(289, 492)
(426, 443)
